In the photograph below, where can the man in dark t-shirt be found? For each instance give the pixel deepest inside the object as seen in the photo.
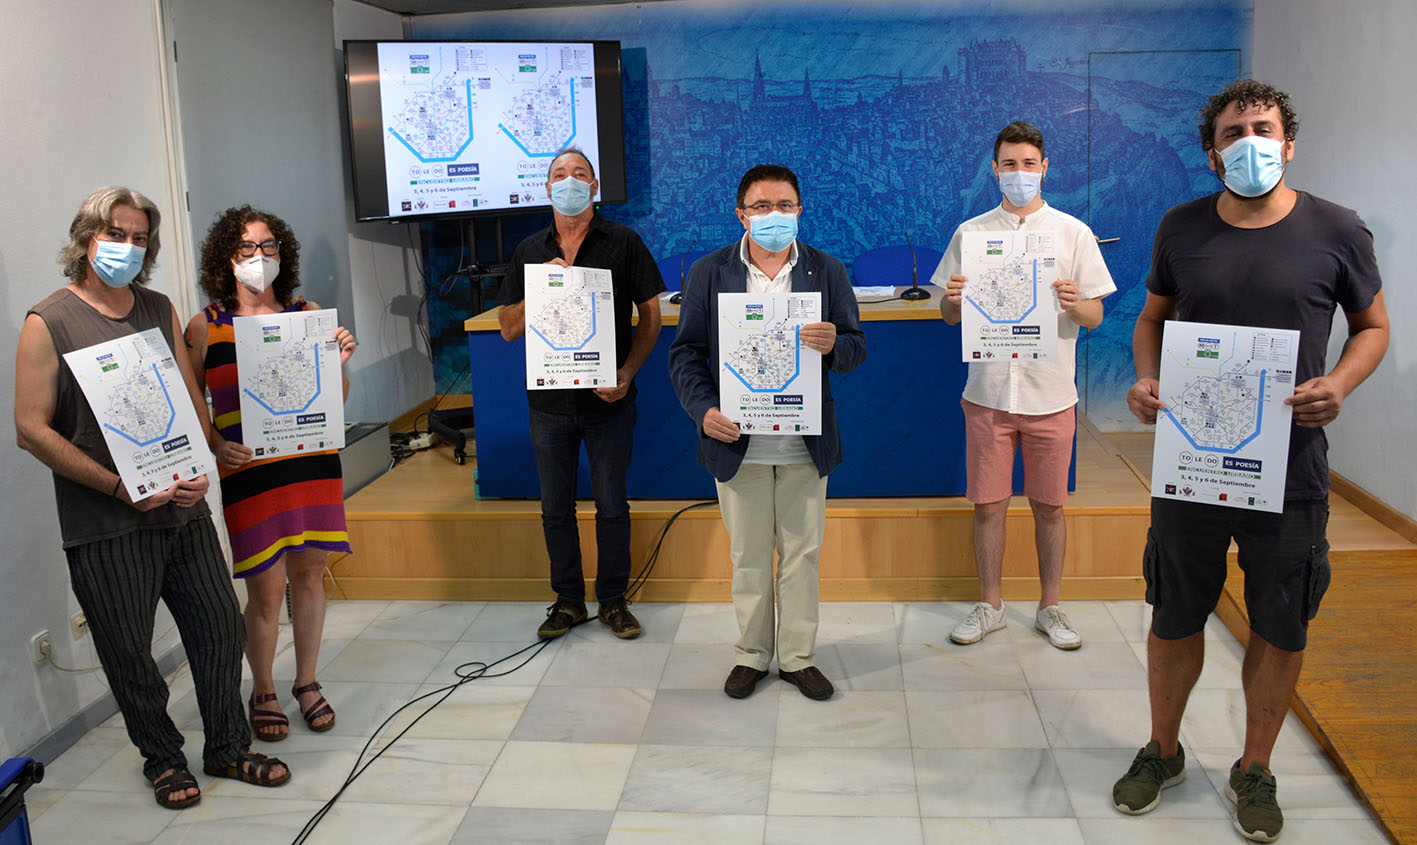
(603, 417)
(1256, 254)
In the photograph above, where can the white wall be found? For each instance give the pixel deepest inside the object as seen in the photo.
(1349, 70)
(83, 107)
(78, 114)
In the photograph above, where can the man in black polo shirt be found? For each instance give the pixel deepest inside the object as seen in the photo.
(1259, 253)
(603, 417)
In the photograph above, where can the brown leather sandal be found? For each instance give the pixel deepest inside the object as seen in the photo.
(267, 719)
(251, 768)
(315, 711)
(177, 780)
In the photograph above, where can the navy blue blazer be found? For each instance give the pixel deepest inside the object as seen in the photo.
(693, 356)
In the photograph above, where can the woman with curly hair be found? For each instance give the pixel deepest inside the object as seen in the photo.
(283, 514)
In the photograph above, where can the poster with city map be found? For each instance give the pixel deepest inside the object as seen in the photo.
(570, 327)
(292, 394)
(768, 381)
(1223, 438)
(136, 391)
(1010, 311)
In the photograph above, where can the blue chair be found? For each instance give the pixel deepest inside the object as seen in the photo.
(17, 775)
(890, 265)
(669, 267)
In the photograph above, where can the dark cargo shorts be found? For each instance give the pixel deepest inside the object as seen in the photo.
(1284, 557)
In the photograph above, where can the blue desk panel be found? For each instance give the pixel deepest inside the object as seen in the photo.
(902, 428)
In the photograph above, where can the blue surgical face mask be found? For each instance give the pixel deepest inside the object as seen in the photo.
(1253, 165)
(774, 231)
(117, 264)
(1020, 186)
(570, 196)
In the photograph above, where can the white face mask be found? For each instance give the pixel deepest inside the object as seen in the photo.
(256, 272)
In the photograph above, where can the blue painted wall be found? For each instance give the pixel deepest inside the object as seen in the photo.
(887, 112)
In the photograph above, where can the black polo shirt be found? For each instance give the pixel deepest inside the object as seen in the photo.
(635, 277)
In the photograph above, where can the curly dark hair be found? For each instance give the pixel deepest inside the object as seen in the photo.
(1245, 93)
(216, 279)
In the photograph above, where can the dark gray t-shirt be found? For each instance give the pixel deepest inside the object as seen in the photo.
(85, 514)
(1291, 275)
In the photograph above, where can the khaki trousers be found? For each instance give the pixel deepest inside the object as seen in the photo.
(783, 506)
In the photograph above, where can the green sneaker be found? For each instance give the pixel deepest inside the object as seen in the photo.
(1139, 790)
(1257, 813)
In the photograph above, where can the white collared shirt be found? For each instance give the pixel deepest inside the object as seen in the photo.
(1034, 387)
(773, 448)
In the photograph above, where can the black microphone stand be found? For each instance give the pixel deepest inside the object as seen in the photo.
(915, 292)
(678, 296)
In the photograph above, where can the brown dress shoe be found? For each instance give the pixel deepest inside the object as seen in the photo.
(742, 681)
(560, 618)
(622, 622)
(810, 681)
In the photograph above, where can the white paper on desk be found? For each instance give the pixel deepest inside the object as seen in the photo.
(288, 374)
(768, 381)
(1010, 310)
(1223, 438)
(136, 391)
(873, 290)
(570, 327)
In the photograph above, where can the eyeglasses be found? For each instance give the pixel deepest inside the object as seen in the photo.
(786, 207)
(246, 249)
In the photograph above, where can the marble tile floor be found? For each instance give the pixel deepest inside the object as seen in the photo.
(601, 740)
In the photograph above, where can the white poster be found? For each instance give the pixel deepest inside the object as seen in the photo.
(292, 395)
(1010, 310)
(768, 381)
(137, 394)
(570, 327)
(1223, 438)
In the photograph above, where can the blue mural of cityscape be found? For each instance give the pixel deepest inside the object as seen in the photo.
(888, 112)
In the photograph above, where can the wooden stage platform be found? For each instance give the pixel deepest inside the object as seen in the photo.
(421, 533)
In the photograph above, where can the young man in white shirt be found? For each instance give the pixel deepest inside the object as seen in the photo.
(1024, 404)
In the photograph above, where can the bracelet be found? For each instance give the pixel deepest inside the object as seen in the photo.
(114, 494)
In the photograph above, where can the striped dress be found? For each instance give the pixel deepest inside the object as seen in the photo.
(272, 505)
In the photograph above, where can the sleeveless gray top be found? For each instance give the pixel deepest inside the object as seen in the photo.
(85, 514)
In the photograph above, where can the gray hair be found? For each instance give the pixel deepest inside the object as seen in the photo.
(571, 150)
(96, 213)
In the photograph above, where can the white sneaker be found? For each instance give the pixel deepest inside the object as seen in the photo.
(982, 620)
(1052, 621)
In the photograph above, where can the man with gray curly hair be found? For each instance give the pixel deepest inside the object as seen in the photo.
(124, 555)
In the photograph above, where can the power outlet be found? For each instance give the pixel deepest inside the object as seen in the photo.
(39, 647)
(79, 625)
(421, 441)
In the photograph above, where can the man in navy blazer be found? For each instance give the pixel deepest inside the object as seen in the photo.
(771, 489)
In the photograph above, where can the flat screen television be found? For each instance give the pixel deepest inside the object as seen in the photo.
(457, 128)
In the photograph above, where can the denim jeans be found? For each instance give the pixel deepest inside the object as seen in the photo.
(556, 442)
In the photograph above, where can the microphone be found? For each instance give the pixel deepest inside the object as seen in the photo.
(678, 296)
(915, 292)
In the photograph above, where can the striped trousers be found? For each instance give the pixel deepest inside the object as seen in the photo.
(118, 583)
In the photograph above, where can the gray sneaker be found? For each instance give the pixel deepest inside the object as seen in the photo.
(1257, 813)
(1139, 790)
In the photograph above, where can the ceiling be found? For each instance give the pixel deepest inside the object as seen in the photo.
(435, 7)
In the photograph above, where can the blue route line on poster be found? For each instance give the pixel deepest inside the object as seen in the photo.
(588, 339)
(563, 144)
(302, 408)
(1025, 314)
(1259, 424)
(171, 416)
(796, 361)
(454, 157)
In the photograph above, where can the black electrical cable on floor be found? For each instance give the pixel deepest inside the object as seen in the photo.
(472, 671)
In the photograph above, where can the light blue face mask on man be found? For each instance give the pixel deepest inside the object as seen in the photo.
(774, 231)
(570, 196)
(116, 263)
(1253, 165)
